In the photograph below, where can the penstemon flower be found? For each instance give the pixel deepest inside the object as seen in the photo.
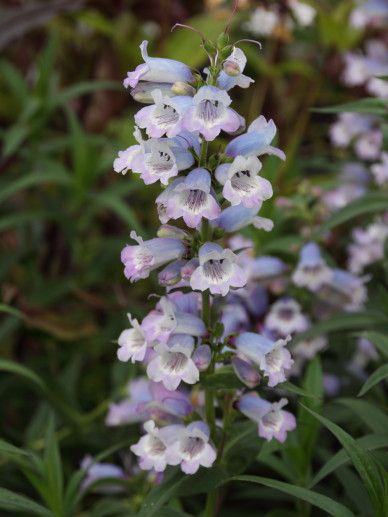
(188, 336)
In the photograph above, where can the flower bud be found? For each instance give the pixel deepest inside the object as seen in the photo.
(181, 88)
(142, 91)
(166, 230)
(188, 268)
(245, 372)
(202, 357)
(171, 274)
(231, 68)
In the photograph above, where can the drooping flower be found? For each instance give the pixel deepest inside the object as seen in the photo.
(285, 317)
(272, 420)
(202, 357)
(132, 344)
(161, 159)
(242, 183)
(190, 198)
(266, 268)
(232, 73)
(311, 271)
(142, 92)
(245, 372)
(156, 69)
(236, 217)
(95, 471)
(173, 362)
(152, 448)
(256, 141)
(165, 116)
(210, 113)
(218, 270)
(126, 411)
(270, 356)
(139, 260)
(167, 320)
(192, 448)
(344, 290)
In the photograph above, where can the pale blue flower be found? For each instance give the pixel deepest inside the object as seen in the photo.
(311, 271)
(232, 73)
(236, 217)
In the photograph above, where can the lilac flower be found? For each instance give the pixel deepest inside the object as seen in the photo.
(272, 420)
(348, 126)
(256, 141)
(368, 145)
(164, 404)
(126, 411)
(139, 260)
(245, 372)
(271, 356)
(308, 348)
(267, 268)
(210, 113)
(369, 12)
(167, 320)
(236, 217)
(202, 357)
(132, 345)
(97, 471)
(311, 271)
(380, 170)
(367, 246)
(285, 318)
(192, 448)
(234, 317)
(142, 92)
(218, 270)
(173, 363)
(157, 69)
(242, 183)
(161, 160)
(232, 73)
(152, 448)
(190, 198)
(123, 163)
(344, 290)
(171, 274)
(165, 116)
(364, 353)
(331, 384)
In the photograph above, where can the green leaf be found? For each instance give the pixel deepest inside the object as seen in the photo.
(31, 180)
(376, 377)
(371, 415)
(354, 321)
(53, 470)
(370, 106)
(83, 88)
(320, 501)
(117, 205)
(20, 503)
(371, 203)
(369, 442)
(369, 470)
(223, 379)
(379, 340)
(26, 373)
(10, 450)
(297, 390)
(161, 494)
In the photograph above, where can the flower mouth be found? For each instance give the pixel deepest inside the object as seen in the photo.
(210, 111)
(160, 162)
(165, 115)
(272, 421)
(274, 360)
(174, 362)
(192, 446)
(143, 258)
(217, 271)
(137, 340)
(155, 446)
(286, 314)
(313, 270)
(194, 200)
(243, 182)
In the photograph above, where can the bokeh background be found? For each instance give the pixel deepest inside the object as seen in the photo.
(65, 215)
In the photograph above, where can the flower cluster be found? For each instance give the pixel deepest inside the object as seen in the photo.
(208, 274)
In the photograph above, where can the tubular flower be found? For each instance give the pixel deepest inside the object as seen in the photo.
(285, 317)
(218, 270)
(132, 345)
(210, 113)
(139, 260)
(232, 73)
(256, 141)
(242, 183)
(156, 69)
(311, 271)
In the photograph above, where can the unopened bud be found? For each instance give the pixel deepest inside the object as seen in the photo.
(202, 357)
(171, 274)
(167, 230)
(188, 269)
(231, 68)
(182, 88)
(245, 372)
(142, 91)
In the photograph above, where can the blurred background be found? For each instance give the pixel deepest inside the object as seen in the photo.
(65, 215)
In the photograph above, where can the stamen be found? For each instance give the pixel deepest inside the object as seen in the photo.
(194, 200)
(174, 361)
